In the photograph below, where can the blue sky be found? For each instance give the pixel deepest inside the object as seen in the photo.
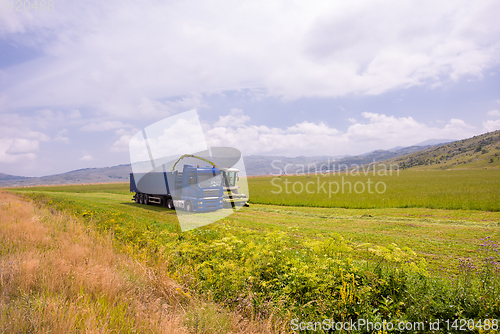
(270, 78)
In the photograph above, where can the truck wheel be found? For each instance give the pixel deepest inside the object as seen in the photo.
(170, 204)
(141, 198)
(188, 207)
(137, 198)
(146, 199)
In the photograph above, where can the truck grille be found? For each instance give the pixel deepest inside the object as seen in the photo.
(211, 193)
(211, 203)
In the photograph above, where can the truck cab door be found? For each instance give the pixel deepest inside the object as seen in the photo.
(190, 186)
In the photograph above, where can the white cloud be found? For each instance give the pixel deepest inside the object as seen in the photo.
(378, 132)
(47, 118)
(74, 114)
(61, 137)
(491, 125)
(23, 124)
(494, 113)
(122, 144)
(146, 108)
(234, 119)
(45, 113)
(125, 56)
(104, 126)
(17, 150)
(455, 125)
(86, 158)
(21, 145)
(175, 136)
(19, 142)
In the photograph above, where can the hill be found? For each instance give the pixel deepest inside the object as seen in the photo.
(6, 177)
(118, 173)
(476, 152)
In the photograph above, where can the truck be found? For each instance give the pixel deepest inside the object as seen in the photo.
(231, 195)
(195, 189)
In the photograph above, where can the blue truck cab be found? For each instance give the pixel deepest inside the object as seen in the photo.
(196, 188)
(201, 186)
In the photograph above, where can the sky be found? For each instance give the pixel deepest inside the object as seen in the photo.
(320, 78)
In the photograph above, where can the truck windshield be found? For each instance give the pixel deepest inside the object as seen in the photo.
(208, 180)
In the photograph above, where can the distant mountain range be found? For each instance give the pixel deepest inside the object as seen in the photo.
(263, 165)
(430, 142)
(118, 173)
(427, 153)
(434, 142)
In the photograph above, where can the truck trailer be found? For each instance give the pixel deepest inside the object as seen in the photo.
(196, 188)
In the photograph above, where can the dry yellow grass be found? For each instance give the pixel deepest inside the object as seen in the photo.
(58, 276)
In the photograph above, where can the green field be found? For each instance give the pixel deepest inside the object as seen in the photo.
(438, 189)
(440, 236)
(470, 189)
(412, 253)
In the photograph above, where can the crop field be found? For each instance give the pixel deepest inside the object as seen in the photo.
(476, 189)
(425, 249)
